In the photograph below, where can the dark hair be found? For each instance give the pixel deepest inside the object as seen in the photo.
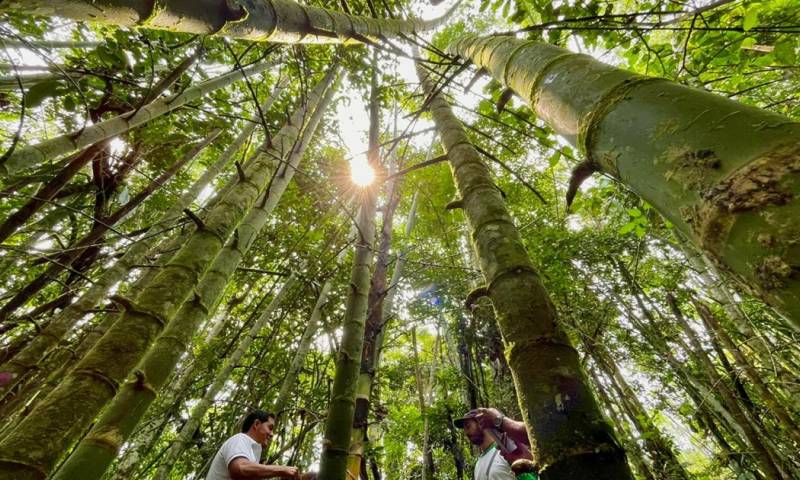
(251, 418)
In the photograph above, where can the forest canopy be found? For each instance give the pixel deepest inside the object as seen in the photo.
(372, 217)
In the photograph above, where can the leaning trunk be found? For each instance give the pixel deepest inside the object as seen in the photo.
(725, 174)
(99, 448)
(96, 379)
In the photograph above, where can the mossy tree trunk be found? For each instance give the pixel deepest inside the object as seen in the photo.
(342, 406)
(33, 448)
(725, 174)
(569, 437)
(98, 449)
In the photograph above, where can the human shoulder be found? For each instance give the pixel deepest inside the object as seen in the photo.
(239, 445)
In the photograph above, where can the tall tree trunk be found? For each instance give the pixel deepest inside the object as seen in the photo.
(725, 174)
(342, 406)
(265, 20)
(33, 155)
(375, 323)
(99, 448)
(569, 437)
(198, 411)
(96, 379)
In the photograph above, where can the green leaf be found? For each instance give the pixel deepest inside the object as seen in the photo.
(750, 18)
(628, 227)
(554, 159)
(635, 212)
(39, 92)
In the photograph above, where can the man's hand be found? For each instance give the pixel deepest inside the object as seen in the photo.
(487, 416)
(290, 472)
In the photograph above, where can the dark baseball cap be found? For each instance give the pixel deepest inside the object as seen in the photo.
(459, 422)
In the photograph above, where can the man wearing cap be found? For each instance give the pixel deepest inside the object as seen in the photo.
(500, 439)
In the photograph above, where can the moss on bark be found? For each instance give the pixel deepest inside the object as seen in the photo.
(569, 437)
(725, 174)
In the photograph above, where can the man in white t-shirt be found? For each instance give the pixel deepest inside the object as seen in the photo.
(493, 462)
(238, 457)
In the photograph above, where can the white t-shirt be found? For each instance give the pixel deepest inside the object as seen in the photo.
(499, 470)
(239, 445)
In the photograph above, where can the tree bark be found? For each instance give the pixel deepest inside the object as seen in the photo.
(98, 449)
(342, 406)
(193, 422)
(569, 437)
(725, 174)
(273, 21)
(23, 453)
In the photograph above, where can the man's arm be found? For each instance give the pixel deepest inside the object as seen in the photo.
(241, 468)
(515, 429)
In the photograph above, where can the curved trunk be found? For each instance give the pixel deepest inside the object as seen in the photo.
(725, 174)
(569, 437)
(98, 449)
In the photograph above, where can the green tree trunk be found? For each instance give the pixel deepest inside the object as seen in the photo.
(725, 174)
(342, 406)
(98, 449)
(30, 453)
(263, 21)
(48, 150)
(569, 437)
(193, 422)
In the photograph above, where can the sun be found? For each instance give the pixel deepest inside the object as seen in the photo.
(362, 173)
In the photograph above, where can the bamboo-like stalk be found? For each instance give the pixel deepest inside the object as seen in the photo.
(569, 437)
(257, 20)
(665, 462)
(33, 155)
(98, 449)
(727, 175)
(342, 406)
(96, 379)
(199, 410)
